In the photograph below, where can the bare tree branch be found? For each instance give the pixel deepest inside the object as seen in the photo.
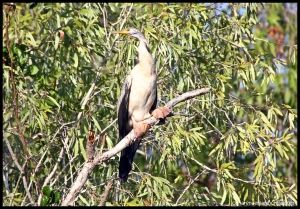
(126, 141)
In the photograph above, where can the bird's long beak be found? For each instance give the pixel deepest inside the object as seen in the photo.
(125, 31)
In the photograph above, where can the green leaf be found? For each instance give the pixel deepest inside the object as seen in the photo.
(293, 198)
(272, 49)
(76, 148)
(32, 41)
(241, 129)
(96, 123)
(34, 70)
(45, 201)
(228, 173)
(56, 41)
(229, 165)
(57, 197)
(54, 101)
(243, 74)
(84, 200)
(134, 202)
(245, 195)
(47, 191)
(160, 179)
(278, 111)
(82, 148)
(75, 60)
(219, 146)
(155, 190)
(73, 80)
(224, 196)
(236, 197)
(266, 121)
(87, 12)
(279, 149)
(258, 167)
(252, 73)
(58, 20)
(294, 56)
(291, 120)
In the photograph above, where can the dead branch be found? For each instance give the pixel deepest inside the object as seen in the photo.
(126, 141)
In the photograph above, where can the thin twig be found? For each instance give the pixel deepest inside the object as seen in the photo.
(62, 170)
(13, 156)
(47, 180)
(239, 46)
(209, 121)
(216, 171)
(188, 186)
(21, 169)
(15, 190)
(87, 97)
(107, 127)
(105, 194)
(203, 166)
(231, 123)
(5, 181)
(46, 151)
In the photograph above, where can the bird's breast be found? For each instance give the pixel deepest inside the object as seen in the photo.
(142, 95)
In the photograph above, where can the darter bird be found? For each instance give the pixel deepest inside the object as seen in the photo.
(137, 100)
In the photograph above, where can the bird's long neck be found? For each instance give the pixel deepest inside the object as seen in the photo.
(145, 57)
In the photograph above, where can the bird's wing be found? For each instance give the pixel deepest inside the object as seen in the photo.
(127, 154)
(123, 108)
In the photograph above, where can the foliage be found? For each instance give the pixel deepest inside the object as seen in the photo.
(49, 196)
(63, 72)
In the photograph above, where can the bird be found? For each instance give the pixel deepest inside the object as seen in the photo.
(137, 101)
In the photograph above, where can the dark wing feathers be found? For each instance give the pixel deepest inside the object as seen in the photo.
(127, 154)
(123, 108)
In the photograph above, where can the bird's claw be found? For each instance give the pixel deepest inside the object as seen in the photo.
(140, 129)
(161, 112)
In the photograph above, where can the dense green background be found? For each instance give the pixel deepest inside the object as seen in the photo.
(63, 69)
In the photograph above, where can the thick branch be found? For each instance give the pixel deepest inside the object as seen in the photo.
(126, 141)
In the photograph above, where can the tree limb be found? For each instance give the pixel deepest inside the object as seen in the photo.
(126, 141)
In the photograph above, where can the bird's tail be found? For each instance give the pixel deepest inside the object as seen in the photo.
(126, 159)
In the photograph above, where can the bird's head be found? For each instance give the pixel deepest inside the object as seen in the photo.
(134, 33)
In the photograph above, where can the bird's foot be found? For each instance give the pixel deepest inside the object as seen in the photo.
(140, 129)
(161, 112)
